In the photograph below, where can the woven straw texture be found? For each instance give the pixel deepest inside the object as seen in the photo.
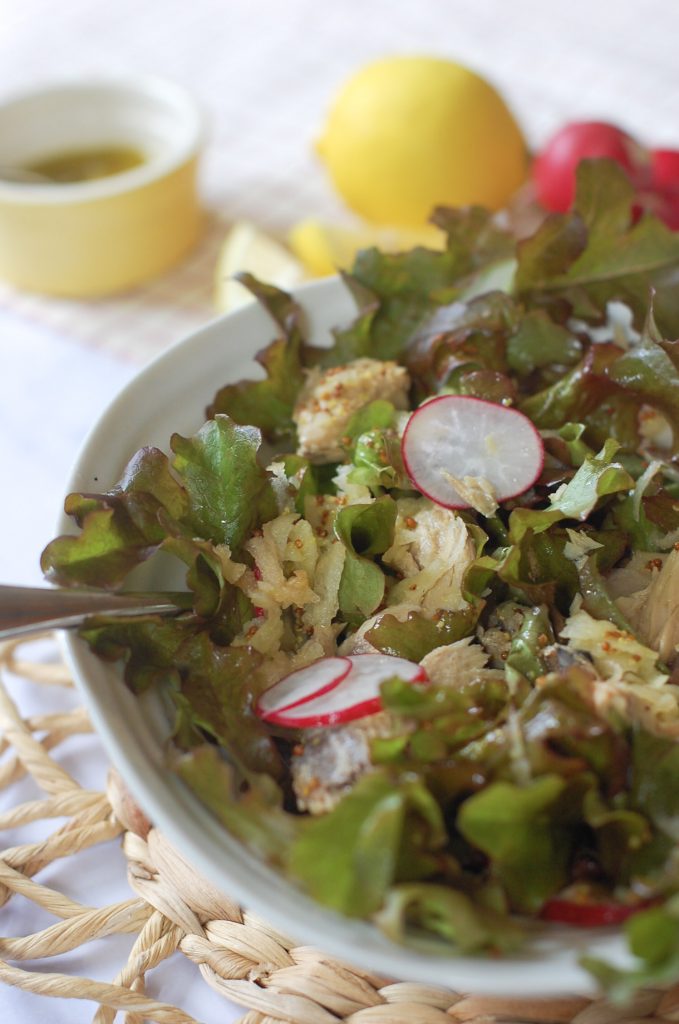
(173, 909)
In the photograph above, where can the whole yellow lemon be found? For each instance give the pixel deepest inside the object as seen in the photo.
(408, 133)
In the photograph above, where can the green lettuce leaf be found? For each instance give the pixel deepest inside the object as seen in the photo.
(365, 530)
(119, 529)
(473, 241)
(565, 733)
(596, 254)
(219, 687)
(599, 476)
(461, 340)
(536, 569)
(229, 492)
(541, 342)
(397, 292)
(654, 780)
(251, 811)
(268, 403)
(354, 875)
(306, 479)
(653, 525)
(653, 937)
(647, 371)
(567, 444)
(446, 719)
(361, 588)
(528, 642)
(147, 645)
(486, 384)
(555, 729)
(482, 698)
(578, 395)
(618, 833)
(214, 598)
(214, 489)
(378, 463)
(213, 687)
(377, 415)
(418, 635)
(520, 831)
(107, 549)
(449, 914)
(595, 596)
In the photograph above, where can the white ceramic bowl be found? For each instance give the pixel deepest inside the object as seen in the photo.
(170, 395)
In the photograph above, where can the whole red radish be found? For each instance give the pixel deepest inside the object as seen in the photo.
(664, 201)
(665, 168)
(555, 166)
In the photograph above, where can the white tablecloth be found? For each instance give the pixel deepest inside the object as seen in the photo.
(52, 392)
(265, 72)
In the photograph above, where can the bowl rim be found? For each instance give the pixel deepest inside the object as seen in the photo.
(530, 974)
(178, 149)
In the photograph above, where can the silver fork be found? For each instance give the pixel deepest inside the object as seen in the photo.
(32, 609)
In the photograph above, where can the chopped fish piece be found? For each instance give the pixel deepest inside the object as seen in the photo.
(432, 550)
(458, 664)
(331, 761)
(330, 398)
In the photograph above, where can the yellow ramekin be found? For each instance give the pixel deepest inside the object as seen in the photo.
(106, 235)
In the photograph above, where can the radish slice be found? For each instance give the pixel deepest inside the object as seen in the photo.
(303, 685)
(356, 695)
(459, 436)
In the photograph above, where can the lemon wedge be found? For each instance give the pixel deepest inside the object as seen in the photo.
(326, 248)
(248, 248)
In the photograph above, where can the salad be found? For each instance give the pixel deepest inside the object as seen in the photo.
(431, 668)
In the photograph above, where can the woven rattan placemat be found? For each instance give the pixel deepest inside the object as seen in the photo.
(172, 909)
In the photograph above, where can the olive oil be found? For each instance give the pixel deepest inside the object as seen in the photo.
(86, 164)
